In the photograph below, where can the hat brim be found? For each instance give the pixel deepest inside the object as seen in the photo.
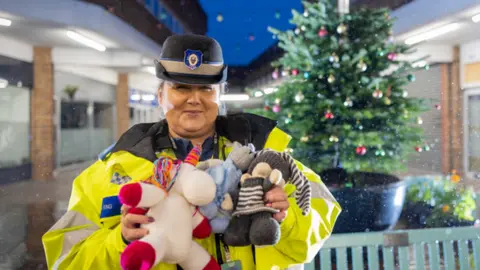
(161, 73)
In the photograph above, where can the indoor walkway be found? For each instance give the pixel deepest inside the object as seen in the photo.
(27, 210)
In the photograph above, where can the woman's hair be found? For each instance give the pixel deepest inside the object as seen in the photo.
(222, 108)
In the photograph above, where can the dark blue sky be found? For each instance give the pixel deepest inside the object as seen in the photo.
(242, 18)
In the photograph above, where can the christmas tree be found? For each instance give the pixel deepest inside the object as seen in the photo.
(342, 98)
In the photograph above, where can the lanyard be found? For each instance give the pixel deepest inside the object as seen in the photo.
(218, 245)
(216, 146)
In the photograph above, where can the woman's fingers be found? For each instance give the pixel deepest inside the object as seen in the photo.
(282, 206)
(130, 220)
(280, 216)
(134, 234)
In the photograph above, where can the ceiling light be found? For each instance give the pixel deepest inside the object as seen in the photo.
(258, 94)
(5, 22)
(3, 83)
(148, 97)
(421, 63)
(432, 33)
(476, 18)
(234, 97)
(135, 97)
(86, 41)
(151, 70)
(270, 90)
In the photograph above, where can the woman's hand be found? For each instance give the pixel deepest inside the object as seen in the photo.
(277, 198)
(131, 220)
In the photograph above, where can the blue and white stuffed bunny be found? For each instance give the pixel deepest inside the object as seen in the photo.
(226, 175)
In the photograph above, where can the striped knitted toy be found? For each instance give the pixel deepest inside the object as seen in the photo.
(290, 172)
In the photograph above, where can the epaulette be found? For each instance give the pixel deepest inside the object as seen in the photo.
(106, 153)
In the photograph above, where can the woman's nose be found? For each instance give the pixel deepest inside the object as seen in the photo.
(194, 97)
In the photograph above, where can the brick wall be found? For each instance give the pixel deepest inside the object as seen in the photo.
(123, 112)
(42, 109)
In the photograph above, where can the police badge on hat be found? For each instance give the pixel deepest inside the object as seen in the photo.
(193, 59)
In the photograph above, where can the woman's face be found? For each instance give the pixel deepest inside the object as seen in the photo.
(190, 110)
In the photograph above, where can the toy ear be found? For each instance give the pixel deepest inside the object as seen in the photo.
(236, 145)
(262, 170)
(251, 147)
(245, 177)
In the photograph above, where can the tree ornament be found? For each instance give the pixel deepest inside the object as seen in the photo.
(303, 27)
(426, 147)
(380, 152)
(405, 93)
(219, 17)
(322, 32)
(362, 66)
(267, 108)
(299, 97)
(348, 102)
(380, 52)
(284, 73)
(305, 14)
(276, 108)
(392, 56)
(377, 94)
(333, 138)
(295, 72)
(306, 75)
(341, 29)
(418, 149)
(411, 77)
(329, 115)
(388, 101)
(333, 58)
(275, 74)
(419, 120)
(331, 78)
(297, 31)
(358, 125)
(438, 106)
(304, 139)
(426, 67)
(277, 101)
(361, 150)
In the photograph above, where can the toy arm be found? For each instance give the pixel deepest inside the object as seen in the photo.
(141, 195)
(201, 228)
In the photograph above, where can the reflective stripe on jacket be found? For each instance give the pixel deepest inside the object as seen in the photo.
(88, 236)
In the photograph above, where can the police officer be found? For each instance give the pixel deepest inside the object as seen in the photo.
(192, 73)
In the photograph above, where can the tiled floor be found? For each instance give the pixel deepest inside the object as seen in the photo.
(27, 210)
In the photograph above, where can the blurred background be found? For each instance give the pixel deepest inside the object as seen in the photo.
(76, 74)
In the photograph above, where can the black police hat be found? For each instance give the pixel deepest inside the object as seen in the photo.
(191, 59)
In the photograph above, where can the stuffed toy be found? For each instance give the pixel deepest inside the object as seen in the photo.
(252, 221)
(227, 176)
(171, 196)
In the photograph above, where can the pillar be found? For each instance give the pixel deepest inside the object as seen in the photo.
(456, 101)
(41, 121)
(445, 116)
(123, 111)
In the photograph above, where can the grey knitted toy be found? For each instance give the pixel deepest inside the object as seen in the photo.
(252, 221)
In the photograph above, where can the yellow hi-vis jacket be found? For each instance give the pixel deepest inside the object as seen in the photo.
(88, 236)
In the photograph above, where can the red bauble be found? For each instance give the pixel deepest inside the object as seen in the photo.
(361, 150)
(438, 106)
(329, 115)
(418, 149)
(323, 32)
(295, 72)
(266, 108)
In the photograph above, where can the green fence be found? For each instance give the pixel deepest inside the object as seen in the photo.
(434, 249)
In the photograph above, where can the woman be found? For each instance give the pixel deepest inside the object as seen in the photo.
(94, 231)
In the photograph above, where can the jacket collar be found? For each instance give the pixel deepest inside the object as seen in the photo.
(143, 140)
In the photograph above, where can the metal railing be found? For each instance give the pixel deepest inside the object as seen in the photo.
(434, 249)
